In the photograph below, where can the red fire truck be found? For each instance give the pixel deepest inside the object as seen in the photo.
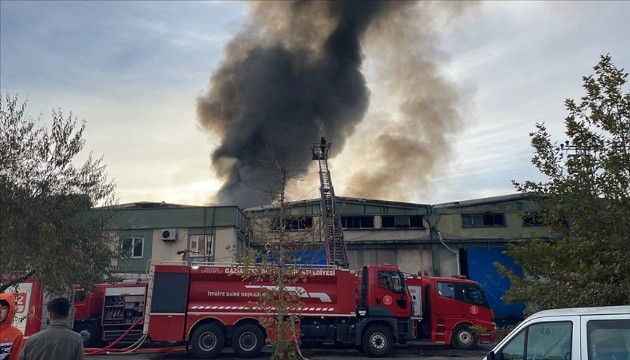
(101, 315)
(445, 308)
(28, 296)
(106, 312)
(210, 307)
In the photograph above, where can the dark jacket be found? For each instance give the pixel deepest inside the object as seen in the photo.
(56, 342)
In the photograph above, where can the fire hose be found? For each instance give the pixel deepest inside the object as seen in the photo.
(133, 348)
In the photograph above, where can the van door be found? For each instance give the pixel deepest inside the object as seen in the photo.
(546, 339)
(606, 337)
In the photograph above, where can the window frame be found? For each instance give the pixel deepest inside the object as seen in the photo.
(524, 336)
(442, 293)
(482, 220)
(532, 219)
(402, 221)
(132, 247)
(360, 220)
(392, 281)
(462, 289)
(209, 238)
(302, 222)
(596, 323)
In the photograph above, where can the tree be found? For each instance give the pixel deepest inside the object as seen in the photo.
(49, 230)
(277, 256)
(585, 202)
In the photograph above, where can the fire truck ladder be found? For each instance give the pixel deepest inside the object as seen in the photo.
(331, 219)
(149, 299)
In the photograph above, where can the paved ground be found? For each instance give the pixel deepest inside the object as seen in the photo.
(408, 351)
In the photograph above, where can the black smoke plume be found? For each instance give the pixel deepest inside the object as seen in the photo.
(291, 76)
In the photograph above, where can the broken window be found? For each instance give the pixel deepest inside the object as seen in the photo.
(533, 219)
(357, 222)
(131, 247)
(402, 221)
(293, 223)
(488, 219)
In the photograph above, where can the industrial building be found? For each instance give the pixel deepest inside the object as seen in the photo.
(464, 237)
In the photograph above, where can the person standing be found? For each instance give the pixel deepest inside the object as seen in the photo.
(10, 336)
(57, 341)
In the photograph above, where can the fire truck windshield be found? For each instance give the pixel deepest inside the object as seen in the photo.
(391, 280)
(470, 293)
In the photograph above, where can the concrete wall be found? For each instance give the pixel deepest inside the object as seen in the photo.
(413, 249)
(224, 226)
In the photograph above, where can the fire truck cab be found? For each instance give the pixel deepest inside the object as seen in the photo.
(446, 309)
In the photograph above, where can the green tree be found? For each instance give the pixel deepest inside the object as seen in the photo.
(275, 257)
(49, 230)
(585, 201)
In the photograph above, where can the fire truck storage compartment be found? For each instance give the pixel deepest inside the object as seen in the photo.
(123, 307)
(169, 303)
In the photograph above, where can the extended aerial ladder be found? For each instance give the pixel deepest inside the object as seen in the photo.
(331, 219)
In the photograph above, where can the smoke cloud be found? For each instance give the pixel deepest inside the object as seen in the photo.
(294, 73)
(420, 110)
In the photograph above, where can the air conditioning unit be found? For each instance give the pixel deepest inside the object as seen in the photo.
(168, 234)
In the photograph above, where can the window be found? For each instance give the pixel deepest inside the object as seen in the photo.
(607, 339)
(473, 294)
(300, 223)
(240, 246)
(357, 222)
(415, 221)
(402, 221)
(446, 289)
(532, 219)
(474, 220)
(469, 293)
(79, 296)
(544, 341)
(131, 247)
(392, 281)
(201, 245)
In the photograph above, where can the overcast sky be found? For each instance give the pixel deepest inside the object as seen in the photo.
(133, 72)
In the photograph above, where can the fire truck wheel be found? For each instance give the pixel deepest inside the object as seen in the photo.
(377, 341)
(464, 338)
(248, 341)
(207, 341)
(88, 333)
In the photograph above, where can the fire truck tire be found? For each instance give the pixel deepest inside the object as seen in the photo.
(89, 334)
(377, 341)
(208, 341)
(248, 341)
(464, 338)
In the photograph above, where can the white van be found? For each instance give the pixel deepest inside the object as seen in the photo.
(596, 333)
